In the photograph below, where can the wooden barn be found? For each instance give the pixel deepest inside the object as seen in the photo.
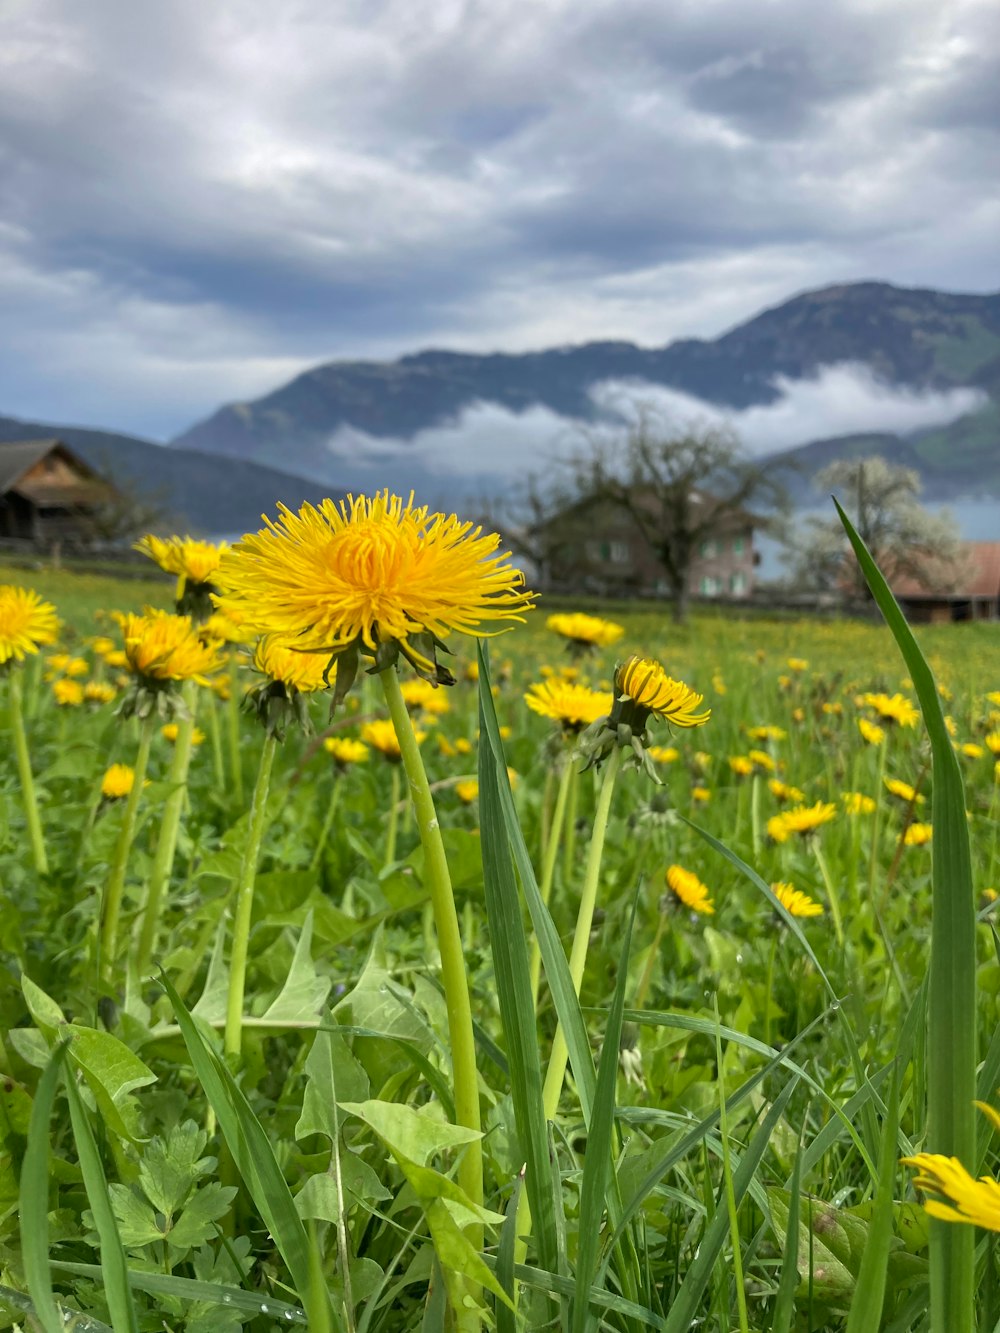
(972, 592)
(48, 494)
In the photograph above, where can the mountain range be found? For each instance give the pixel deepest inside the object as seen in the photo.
(369, 424)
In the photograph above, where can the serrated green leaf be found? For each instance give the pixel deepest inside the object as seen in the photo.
(412, 1134)
(171, 1166)
(112, 1072)
(304, 993)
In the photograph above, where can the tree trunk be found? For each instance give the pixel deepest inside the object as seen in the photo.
(679, 601)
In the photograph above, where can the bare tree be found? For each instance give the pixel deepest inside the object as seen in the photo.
(906, 539)
(677, 486)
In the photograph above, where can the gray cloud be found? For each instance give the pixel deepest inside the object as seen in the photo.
(199, 200)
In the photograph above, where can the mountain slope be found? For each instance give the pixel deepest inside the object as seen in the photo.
(921, 339)
(199, 493)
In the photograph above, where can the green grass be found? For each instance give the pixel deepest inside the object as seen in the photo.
(741, 1085)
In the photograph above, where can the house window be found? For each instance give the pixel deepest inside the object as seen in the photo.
(619, 553)
(709, 586)
(708, 548)
(738, 584)
(737, 546)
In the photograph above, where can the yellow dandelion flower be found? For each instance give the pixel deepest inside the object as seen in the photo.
(663, 754)
(701, 794)
(572, 706)
(380, 735)
(224, 629)
(918, 835)
(304, 672)
(761, 761)
(797, 664)
(894, 708)
(794, 901)
(467, 790)
(994, 698)
(798, 714)
(689, 890)
(471, 672)
(784, 792)
(644, 683)
(802, 820)
(718, 684)
(741, 765)
(117, 782)
(971, 751)
(99, 692)
(766, 733)
(345, 751)
(26, 623)
(161, 647)
(586, 631)
(857, 803)
(973, 1201)
(424, 695)
(117, 660)
(68, 693)
(189, 560)
(993, 742)
(870, 732)
(63, 663)
(170, 731)
(102, 645)
(375, 575)
(903, 790)
(834, 709)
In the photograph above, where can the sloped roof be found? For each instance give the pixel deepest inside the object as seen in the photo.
(20, 456)
(979, 576)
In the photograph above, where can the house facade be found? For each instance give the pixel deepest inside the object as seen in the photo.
(597, 547)
(48, 494)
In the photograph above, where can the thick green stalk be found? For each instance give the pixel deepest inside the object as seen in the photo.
(111, 900)
(244, 900)
(166, 844)
(569, 845)
(831, 891)
(727, 1176)
(549, 865)
(454, 976)
(215, 732)
(31, 815)
(581, 935)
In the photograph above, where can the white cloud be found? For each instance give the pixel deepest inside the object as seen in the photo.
(844, 399)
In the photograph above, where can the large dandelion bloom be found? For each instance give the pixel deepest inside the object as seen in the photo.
(26, 623)
(644, 684)
(160, 647)
(973, 1201)
(688, 889)
(895, 708)
(304, 672)
(794, 901)
(572, 706)
(193, 562)
(374, 575)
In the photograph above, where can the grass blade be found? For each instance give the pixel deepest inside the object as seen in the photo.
(191, 1289)
(114, 1269)
(600, 1140)
(784, 1304)
(506, 1322)
(685, 1304)
(512, 974)
(869, 1293)
(34, 1199)
(251, 1151)
(951, 1038)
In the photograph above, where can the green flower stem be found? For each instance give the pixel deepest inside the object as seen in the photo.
(31, 815)
(454, 977)
(215, 732)
(244, 900)
(393, 827)
(324, 832)
(581, 936)
(549, 864)
(832, 894)
(569, 845)
(877, 819)
(642, 991)
(769, 986)
(233, 721)
(111, 901)
(166, 844)
(755, 813)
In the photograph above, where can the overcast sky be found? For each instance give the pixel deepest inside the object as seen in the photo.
(199, 200)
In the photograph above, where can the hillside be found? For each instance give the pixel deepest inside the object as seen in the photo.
(917, 339)
(198, 492)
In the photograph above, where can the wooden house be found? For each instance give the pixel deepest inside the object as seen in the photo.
(48, 494)
(970, 591)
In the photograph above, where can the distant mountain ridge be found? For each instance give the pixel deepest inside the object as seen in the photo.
(909, 338)
(204, 494)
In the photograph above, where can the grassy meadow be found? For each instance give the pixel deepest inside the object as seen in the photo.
(742, 1081)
